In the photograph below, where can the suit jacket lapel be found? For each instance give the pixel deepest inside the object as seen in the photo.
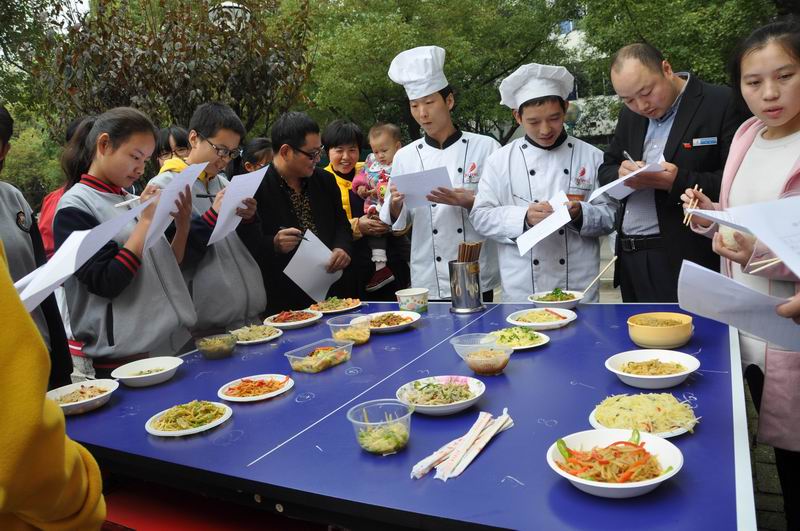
(638, 132)
(690, 102)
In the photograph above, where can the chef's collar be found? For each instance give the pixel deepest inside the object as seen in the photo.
(560, 140)
(449, 141)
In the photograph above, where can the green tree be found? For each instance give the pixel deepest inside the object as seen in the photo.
(485, 40)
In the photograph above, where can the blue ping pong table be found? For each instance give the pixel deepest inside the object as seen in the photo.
(297, 454)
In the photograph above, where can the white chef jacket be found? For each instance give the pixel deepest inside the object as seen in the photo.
(438, 229)
(521, 173)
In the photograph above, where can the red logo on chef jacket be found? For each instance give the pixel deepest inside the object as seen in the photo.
(581, 180)
(472, 173)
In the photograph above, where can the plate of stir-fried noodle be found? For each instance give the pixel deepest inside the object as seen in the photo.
(187, 419)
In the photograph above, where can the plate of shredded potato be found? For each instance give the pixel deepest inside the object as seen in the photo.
(652, 368)
(254, 334)
(81, 397)
(542, 318)
(660, 414)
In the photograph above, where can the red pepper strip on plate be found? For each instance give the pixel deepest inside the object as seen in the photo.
(625, 476)
(548, 310)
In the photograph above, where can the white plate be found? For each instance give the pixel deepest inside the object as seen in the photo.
(567, 305)
(264, 339)
(288, 385)
(667, 453)
(476, 386)
(180, 433)
(127, 373)
(545, 340)
(342, 310)
(663, 435)
(617, 361)
(295, 324)
(89, 404)
(382, 330)
(568, 314)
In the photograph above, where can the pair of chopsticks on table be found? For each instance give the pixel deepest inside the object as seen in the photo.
(469, 251)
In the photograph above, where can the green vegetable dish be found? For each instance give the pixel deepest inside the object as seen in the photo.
(557, 295)
(438, 394)
(383, 439)
(517, 336)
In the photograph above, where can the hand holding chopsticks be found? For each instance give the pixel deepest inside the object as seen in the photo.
(687, 218)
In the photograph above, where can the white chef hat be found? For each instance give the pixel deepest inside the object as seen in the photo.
(535, 81)
(419, 70)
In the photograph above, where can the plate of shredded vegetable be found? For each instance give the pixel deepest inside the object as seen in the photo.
(614, 463)
(384, 322)
(254, 334)
(441, 395)
(542, 318)
(558, 298)
(335, 305)
(293, 319)
(187, 419)
(660, 414)
(652, 368)
(81, 397)
(520, 337)
(254, 388)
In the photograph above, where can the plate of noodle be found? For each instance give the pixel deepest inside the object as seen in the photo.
(652, 368)
(254, 388)
(659, 414)
(614, 463)
(187, 419)
(85, 396)
(542, 318)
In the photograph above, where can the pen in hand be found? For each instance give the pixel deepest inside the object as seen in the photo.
(284, 228)
(628, 156)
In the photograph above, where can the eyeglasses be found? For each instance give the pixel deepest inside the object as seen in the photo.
(180, 152)
(314, 155)
(223, 152)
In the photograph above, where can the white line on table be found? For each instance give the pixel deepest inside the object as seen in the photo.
(371, 387)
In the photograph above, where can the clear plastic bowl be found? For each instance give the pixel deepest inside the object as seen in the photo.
(216, 347)
(381, 426)
(350, 327)
(300, 360)
(472, 342)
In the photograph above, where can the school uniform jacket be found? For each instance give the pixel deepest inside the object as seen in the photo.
(520, 173)
(438, 229)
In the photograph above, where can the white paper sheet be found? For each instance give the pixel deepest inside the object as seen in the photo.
(169, 194)
(308, 267)
(240, 188)
(777, 225)
(22, 283)
(617, 189)
(723, 217)
(547, 226)
(73, 253)
(718, 297)
(415, 186)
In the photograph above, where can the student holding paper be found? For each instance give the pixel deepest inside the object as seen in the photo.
(520, 177)
(438, 229)
(690, 124)
(764, 164)
(19, 232)
(112, 297)
(224, 278)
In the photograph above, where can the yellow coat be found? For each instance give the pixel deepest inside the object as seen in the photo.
(47, 481)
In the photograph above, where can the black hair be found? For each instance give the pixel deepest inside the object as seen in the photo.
(446, 92)
(342, 133)
(6, 130)
(784, 31)
(119, 124)
(72, 127)
(209, 118)
(647, 54)
(535, 102)
(178, 134)
(254, 151)
(291, 129)
(385, 128)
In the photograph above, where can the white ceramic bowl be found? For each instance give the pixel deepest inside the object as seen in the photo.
(667, 453)
(475, 386)
(127, 373)
(568, 317)
(617, 361)
(567, 305)
(89, 404)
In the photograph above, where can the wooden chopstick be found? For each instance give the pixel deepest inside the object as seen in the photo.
(687, 218)
(766, 264)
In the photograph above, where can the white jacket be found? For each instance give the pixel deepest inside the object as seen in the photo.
(521, 173)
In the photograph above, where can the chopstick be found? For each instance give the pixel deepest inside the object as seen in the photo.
(765, 264)
(469, 251)
(127, 202)
(586, 289)
(687, 218)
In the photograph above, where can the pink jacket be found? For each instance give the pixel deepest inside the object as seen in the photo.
(779, 417)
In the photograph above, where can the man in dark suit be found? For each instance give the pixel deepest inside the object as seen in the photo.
(296, 196)
(686, 125)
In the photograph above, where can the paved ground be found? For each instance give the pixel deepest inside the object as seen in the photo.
(769, 501)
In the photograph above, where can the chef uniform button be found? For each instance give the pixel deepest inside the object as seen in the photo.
(433, 204)
(460, 170)
(535, 200)
(463, 140)
(536, 262)
(435, 231)
(438, 258)
(569, 144)
(419, 146)
(524, 146)
(532, 172)
(566, 171)
(460, 231)
(562, 261)
(561, 231)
